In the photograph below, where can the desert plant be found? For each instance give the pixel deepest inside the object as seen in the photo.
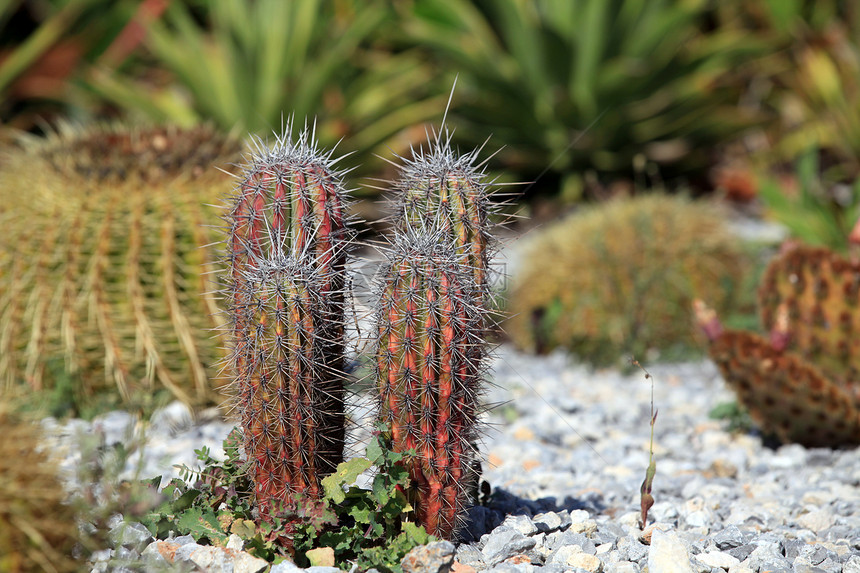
(784, 393)
(591, 84)
(429, 353)
(441, 190)
(816, 210)
(105, 260)
(620, 277)
(286, 253)
(820, 293)
(38, 528)
(241, 64)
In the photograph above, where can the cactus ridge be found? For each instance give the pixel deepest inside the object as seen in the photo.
(439, 188)
(114, 293)
(821, 291)
(429, 370)
(285, 286)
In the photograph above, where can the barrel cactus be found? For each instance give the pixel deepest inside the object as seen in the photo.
(38, 528)
(105, 250)
(285, 279)
(428, 369)
(619, 278)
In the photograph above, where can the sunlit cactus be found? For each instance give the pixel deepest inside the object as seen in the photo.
(445, 191)
(106, 246)
(785, 394)
(287, 244)
(428, 362)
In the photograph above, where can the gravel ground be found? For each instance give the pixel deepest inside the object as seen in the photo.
(566, 452)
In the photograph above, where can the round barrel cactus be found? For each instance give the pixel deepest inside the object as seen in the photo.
(106, 246)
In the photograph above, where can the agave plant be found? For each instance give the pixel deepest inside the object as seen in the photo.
(587, 84)
(241, 64)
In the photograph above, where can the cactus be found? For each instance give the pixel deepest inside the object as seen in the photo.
(429, 358)
(784, 393)
(619, 278)
(104, 261)
(287, 242)
(440, 189)
(38, 529)
(821, 292)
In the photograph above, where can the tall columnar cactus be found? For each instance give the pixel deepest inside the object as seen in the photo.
(821, 292)
(442, 190)
(784, 393)
(287, 240)
(290, 398)
(429, 358)
(105, 251)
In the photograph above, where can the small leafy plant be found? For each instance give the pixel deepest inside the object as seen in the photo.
(367, 527)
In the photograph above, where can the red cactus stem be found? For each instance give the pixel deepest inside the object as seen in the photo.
(428, 359)
(287, 248)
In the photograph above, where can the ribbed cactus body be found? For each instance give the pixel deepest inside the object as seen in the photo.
(105, 251)
(821, 291)
(287, 241)
(292, 436)
(784, 393)
(441, 190)
(428, 370)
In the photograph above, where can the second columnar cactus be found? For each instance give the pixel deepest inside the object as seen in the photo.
(429, 354)
(444, 191)
(287, 243)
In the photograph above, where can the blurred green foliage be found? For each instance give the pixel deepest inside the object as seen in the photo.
(815, 211)
(589, 84)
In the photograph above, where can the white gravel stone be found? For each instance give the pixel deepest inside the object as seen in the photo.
(718, 559)
(668, 553)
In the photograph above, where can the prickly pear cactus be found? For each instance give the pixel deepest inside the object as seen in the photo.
(784, 393)
(440, 189)
(105, 251)
(821, 291)
(429, 356)
(287, 240)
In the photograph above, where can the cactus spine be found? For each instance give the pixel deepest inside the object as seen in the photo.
(428, 372)
(285, 283)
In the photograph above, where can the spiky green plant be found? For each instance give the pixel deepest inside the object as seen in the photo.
(429, 359)
(38, 529)
(785, 394)
(619, 278)
(590, 84)
(105, 250)
(287, 241)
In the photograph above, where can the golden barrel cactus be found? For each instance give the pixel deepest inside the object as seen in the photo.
(619, 278)
(104, 255)
(38, 530)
